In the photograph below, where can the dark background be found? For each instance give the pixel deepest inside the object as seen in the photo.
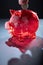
(5, 5)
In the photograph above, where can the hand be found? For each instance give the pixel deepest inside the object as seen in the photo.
(23, 3)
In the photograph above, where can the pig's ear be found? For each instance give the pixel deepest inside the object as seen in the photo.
(12, 11)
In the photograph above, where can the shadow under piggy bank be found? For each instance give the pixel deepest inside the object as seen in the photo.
(26, 59)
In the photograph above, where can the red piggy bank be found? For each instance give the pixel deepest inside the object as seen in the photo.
(22, 26)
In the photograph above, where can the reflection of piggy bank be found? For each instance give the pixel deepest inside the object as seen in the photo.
(22, 26)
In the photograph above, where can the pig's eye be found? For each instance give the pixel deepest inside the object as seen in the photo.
(14, 19)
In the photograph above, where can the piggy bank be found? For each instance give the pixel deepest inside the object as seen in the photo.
(22, 26)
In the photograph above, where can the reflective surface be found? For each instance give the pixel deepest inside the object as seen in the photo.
(33, 55)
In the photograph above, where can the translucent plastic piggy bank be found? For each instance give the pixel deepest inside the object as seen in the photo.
(22, 26)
